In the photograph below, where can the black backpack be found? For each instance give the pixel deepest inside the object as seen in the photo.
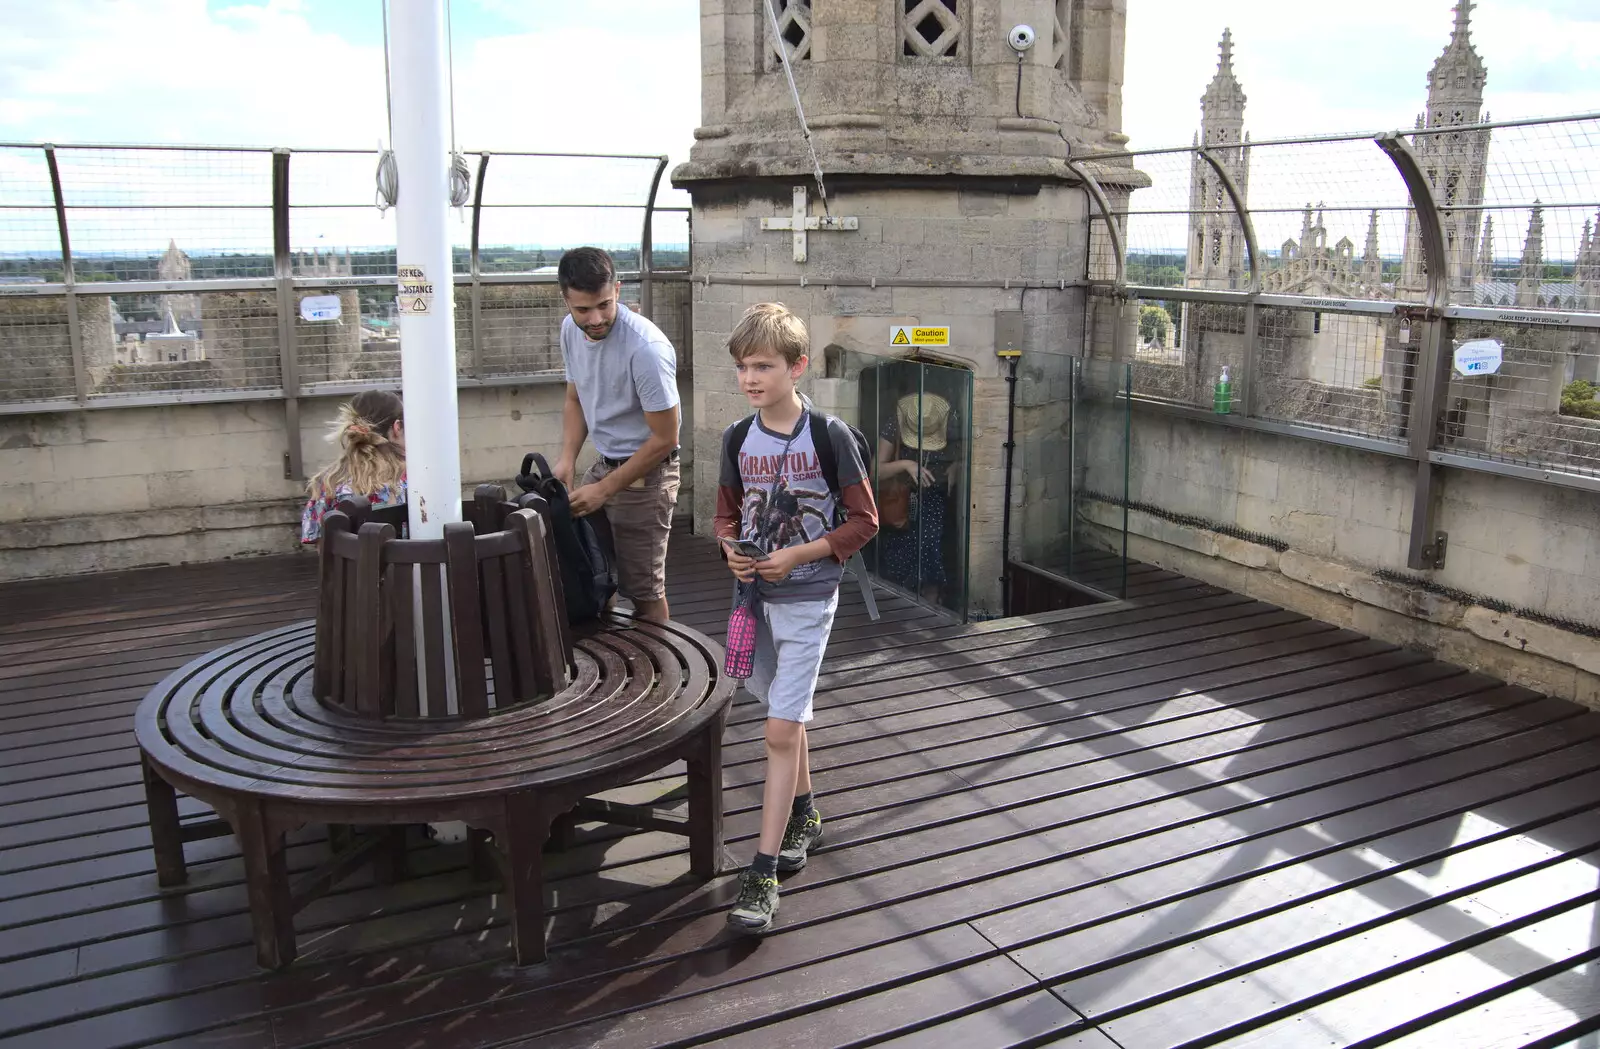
(586, 578)
(823, 443)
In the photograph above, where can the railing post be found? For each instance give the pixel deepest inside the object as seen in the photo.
(288, 355)
(1101, 202)
(1433, 358)
(647, 243)
(475, 362)
(80, 371)
(1247, 367)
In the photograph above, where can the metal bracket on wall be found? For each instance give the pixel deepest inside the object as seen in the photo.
(1433, 553)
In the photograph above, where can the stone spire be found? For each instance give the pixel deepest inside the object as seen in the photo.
(1456, 163)
(1371, 261)
(1216, 236)
(1306, 230)
(174, 264)
(1455, 85)
(1532, 271)
(1486, 250)
(1222, 106)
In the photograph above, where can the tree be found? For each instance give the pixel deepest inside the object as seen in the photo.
(1578, 398)
(1152, 324)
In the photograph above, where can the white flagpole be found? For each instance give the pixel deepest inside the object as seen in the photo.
(418, 97)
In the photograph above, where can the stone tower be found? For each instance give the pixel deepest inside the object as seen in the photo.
(174, 265)
(949, 203)
(1216, 236)
(1530, 275)
(1455, 165)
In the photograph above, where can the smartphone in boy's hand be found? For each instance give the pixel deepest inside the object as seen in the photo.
(745, 548)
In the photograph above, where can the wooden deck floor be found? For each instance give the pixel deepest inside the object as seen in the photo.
(1188, 819)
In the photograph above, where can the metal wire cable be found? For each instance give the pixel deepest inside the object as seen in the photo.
(460, 174)
(388, 174)
(794, 92)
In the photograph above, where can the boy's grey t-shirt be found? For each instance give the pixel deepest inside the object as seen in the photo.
(786, 499)
(631, 371)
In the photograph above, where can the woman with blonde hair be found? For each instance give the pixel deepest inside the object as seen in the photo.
(371, 436)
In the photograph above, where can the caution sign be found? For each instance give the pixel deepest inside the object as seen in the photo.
(416, 292)
(918, 335)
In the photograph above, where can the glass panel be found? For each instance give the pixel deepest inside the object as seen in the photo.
(918, 415)
(1074, 418)
(1097, 529)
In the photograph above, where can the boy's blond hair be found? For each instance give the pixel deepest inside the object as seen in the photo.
(770, 326)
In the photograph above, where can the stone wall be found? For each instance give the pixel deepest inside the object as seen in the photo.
(1344, 517)
(932, 233)
(92, 491)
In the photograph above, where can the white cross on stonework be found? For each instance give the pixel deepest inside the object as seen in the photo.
(800, 222)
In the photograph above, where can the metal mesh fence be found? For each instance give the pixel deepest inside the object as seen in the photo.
(35, 349)
(167, 214)
(1539, 408)
(142, 219)
(1347, 372)
(180, 343)
(1343, 268)
(1330, 218)
(520, 329)
(1155, 224)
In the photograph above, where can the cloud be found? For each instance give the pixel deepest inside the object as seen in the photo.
(174, 71)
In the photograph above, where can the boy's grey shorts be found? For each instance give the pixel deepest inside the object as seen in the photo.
(790, 639)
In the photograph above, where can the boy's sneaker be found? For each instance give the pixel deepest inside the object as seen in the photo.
(798, 837)
(757, 903)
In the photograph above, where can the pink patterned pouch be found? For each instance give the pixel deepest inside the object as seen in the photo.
(741, 644)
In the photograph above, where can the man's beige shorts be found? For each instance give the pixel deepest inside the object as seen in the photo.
(641, 519)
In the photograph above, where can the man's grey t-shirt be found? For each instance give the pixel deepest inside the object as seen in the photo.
(786, 499)
(631, 371)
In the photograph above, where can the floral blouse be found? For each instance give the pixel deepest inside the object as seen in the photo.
(317, 508)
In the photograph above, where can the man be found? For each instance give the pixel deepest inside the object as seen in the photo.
(622, 393)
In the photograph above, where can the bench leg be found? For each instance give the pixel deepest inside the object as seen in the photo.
(706, 856)
(479, 859)
(527, 824)
(563, 831)
(389, 861)
(166, 834)
(266, 877)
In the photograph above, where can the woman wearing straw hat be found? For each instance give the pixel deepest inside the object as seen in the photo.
(915, 449)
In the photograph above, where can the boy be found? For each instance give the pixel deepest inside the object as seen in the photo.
(774, 492)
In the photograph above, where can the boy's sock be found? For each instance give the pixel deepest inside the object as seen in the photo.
(803, 804)
(764, 865)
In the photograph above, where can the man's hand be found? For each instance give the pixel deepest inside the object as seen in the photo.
(586, 500)
(563, 472)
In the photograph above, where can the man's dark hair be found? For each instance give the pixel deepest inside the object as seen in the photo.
(586, 269)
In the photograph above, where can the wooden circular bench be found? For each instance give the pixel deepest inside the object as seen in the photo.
(305, 724)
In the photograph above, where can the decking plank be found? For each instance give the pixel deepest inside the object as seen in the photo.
(1115, 797)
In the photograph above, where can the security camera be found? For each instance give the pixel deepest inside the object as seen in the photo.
(1021, 38)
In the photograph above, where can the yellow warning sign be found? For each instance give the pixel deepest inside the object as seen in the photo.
(915, 335)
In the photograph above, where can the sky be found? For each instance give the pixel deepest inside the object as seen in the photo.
(622, 75)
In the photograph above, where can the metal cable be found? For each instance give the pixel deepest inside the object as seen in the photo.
(388, 174)
(460, 174)
(794, 92)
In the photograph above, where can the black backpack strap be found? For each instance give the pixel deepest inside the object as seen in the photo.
(736, 436)
(822, 442)
(527, 480)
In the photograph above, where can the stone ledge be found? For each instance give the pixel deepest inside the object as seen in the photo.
(112, 527)
(1520, 651)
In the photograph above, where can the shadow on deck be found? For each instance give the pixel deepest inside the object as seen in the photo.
(1185, 819)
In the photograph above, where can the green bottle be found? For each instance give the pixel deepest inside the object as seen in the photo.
(1222, 394)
